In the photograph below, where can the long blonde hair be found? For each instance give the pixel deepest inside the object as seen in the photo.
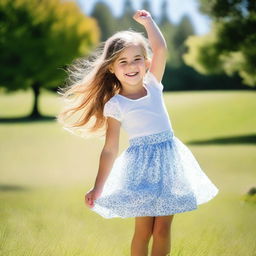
(90, 84)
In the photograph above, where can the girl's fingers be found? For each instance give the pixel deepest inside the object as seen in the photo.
(90, 197)
(137, 14)
(141, 14)
(90, 203)
(89, 200)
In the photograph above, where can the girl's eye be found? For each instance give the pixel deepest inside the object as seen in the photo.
(138, 59)
(122, 62)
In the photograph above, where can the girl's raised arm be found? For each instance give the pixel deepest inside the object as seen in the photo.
(157, 43)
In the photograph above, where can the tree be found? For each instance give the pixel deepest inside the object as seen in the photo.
(37, 40)
(182, 31)
(109, 24)
(167, 28)
(105, 19)
(125, 21)
(230, 46)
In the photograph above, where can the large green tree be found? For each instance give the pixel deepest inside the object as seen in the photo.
(38, 39)
(230, 46)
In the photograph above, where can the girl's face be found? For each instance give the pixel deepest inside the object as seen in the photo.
(130, 67)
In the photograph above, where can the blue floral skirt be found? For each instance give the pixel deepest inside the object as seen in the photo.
(156, 175)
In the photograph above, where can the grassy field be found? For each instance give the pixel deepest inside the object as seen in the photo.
(45, 172)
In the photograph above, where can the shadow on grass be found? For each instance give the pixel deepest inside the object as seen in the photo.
(244, 139)
(14, 188)
(26, 119)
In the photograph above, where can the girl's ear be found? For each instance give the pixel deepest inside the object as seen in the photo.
(110, 68)
(148, 64)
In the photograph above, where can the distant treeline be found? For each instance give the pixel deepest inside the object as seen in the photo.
(178, 75)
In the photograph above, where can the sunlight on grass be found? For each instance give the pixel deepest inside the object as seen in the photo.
(46, 171)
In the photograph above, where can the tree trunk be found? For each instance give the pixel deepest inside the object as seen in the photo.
(36, 91)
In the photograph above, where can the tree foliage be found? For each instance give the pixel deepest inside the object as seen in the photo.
(37, 40)
(181, 32)
(105, 19)
(178, 75)
(230, 46)
(109, 24)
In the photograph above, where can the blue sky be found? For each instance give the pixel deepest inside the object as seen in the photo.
(176, 8)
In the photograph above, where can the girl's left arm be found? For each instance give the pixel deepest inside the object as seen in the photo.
(157, 43)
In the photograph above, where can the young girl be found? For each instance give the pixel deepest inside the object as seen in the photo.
(157, 176)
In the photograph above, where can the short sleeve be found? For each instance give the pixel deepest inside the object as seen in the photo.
(111, 109)
(152, 79)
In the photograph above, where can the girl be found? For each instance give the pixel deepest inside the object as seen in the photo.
(157, 176)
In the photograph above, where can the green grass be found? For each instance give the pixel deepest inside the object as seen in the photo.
(45, 172)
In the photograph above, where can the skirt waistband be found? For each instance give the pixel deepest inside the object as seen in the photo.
(152, 138)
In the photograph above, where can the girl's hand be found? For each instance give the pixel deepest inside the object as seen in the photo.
(142, 17)
(92, 195)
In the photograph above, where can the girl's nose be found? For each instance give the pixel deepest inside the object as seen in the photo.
(132, 63)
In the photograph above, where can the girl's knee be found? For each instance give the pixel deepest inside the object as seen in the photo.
(143, 235)
(162, 226)
(161, 231)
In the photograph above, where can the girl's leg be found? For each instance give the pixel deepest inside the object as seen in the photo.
(142, 234)
(162, 236)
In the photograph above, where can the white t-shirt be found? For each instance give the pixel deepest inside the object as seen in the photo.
(144, 116)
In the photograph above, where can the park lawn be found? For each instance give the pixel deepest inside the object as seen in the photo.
(46, 171)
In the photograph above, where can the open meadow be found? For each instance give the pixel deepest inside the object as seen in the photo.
(46, 171)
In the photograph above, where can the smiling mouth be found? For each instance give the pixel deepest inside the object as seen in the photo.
(132, 74)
